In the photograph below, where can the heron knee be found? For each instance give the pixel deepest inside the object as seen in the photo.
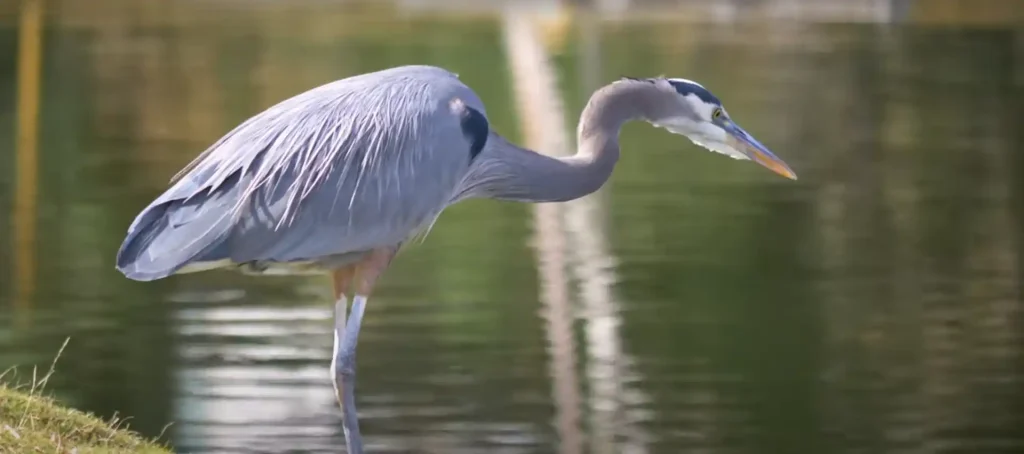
(371, 268)
(345, 367)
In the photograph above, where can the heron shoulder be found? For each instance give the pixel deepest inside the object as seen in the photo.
(474, 125)
(406, 70)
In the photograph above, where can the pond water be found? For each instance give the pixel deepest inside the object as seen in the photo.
(695, 304)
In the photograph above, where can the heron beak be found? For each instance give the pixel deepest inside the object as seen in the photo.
(748, 145)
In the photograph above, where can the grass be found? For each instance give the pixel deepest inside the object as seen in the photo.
(31, 422)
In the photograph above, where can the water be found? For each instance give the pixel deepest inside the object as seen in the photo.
(697, 304)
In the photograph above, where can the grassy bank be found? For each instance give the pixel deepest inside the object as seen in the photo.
(31, 422)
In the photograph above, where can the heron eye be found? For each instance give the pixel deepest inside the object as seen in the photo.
(717, 113)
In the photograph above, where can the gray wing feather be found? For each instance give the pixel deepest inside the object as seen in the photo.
(360, 163)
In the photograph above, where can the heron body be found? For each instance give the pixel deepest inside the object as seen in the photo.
(338, 178)
(316, 181)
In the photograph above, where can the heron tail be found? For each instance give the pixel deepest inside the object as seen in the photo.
(175, 232)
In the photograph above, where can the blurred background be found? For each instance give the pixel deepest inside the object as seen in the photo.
(696, 304)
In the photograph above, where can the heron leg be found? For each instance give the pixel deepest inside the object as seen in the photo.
(346, 336)
(341, 278)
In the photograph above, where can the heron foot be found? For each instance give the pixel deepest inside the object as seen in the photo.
(343, 366)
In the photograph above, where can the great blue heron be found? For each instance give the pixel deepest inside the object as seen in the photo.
(337, 178)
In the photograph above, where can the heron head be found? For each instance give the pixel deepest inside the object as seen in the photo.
(694, 112)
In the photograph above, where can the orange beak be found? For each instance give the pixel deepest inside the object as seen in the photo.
(748, 145)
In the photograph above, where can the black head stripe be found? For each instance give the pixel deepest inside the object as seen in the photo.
(683, 88)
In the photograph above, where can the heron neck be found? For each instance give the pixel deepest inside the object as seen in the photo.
(518, 174)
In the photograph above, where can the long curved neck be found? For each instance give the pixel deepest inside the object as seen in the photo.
(509, 172)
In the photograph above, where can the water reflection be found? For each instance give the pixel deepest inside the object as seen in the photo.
(571, 245)
(541, 116)
(696, 304)
(251, 375)
(27, 158)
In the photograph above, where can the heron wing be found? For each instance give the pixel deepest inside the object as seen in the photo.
(360, 163)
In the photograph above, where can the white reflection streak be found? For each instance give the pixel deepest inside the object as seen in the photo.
(230, 391)
(593, 266)
(591, 263)
(538, 106)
